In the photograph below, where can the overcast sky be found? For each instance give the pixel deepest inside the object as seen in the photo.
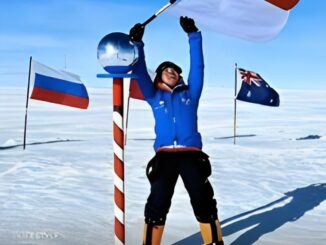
(53, 31)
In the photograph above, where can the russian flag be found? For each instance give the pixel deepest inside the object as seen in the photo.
(58, 87)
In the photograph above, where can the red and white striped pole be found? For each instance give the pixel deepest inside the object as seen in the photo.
(118, 67)
(118, 149)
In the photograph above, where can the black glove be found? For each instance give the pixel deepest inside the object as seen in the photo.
(136, 33)
(188, 24)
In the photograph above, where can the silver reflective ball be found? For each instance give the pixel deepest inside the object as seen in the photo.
(117, 53)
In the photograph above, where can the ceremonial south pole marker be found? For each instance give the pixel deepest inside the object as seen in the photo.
(117, 54)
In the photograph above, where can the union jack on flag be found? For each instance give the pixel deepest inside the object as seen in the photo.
(250, 77)
(255, 89)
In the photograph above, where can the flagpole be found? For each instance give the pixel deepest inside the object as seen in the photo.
(27, 99)
(126, 92)
(165, 7)
(126, 126)
(235, 103)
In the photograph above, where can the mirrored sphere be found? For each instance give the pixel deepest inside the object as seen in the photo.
(117, 53)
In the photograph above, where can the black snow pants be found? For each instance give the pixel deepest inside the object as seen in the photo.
(163, 171)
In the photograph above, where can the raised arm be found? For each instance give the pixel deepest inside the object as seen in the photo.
(196, 72)
(140, 69)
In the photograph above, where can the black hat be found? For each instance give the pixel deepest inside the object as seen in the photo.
(165, 65)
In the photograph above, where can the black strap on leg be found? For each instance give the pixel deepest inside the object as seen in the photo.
(149, 233)
(214, 231)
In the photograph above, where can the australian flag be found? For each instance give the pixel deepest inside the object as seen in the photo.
(254, 89)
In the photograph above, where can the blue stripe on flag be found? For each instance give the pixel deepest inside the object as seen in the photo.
(59, 85)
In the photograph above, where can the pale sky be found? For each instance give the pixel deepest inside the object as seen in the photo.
(53, 31)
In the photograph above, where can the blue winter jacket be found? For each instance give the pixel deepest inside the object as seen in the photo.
(175, 113)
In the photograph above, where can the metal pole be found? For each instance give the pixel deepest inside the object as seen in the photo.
(235, 103)
(118, 161)
(165, 7)
(127, 115)
(27, 98)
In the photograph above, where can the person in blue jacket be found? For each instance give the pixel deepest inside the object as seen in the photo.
(178, 144)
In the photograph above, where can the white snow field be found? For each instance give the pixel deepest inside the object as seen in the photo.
(270, 187)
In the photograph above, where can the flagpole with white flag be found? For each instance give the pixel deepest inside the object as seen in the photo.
(126, 100)
(27, 99)
(253, 20)
(235, 103)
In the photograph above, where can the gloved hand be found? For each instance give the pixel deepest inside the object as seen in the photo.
(188, 24)
(136, 33)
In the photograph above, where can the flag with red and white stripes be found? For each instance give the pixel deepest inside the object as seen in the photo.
(254, 20)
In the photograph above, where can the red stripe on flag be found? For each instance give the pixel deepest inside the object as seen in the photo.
(135, 91)
(59, 98)
(283, 4)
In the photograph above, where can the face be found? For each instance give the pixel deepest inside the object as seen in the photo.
(170, 76)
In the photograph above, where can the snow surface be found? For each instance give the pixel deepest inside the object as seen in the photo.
(270, 187)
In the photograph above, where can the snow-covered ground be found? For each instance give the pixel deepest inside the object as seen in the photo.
(270, 187)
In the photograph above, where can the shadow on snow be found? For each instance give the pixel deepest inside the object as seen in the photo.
(36, 143)
(303, 200)
(237, 136)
